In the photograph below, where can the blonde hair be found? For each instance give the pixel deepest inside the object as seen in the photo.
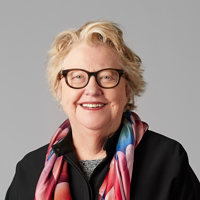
(96, 32)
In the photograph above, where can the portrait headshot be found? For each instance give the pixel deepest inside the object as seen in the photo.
(100, 100)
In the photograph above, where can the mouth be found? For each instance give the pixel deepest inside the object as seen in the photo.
(92, 106)
(87, 105)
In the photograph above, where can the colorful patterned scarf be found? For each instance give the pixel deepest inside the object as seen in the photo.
(53, 183)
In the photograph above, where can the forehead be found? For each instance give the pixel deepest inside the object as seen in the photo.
(91, 58)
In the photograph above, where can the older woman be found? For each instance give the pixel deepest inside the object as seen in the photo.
(103, 150)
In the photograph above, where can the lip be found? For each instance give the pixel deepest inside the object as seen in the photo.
(93, 102)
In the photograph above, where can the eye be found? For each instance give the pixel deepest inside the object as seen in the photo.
(77, 77)
(107, 77)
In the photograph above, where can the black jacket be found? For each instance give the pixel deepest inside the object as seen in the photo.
(161, 171)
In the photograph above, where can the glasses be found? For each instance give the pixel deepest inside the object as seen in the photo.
(79, 78)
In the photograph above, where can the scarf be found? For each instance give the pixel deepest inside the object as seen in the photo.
(53, 183)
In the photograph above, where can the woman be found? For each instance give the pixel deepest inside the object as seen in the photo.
(103, 150)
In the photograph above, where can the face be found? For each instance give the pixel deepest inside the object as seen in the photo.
(80, 105)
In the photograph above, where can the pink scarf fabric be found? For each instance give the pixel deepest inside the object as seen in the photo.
(53, 183)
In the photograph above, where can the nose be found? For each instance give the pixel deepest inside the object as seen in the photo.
(92, 88)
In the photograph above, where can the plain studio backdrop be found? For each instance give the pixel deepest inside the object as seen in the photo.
(165, 34)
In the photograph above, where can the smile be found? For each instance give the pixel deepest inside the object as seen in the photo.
(92, 105)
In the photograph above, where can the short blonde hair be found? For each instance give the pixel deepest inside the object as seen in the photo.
(96, 32)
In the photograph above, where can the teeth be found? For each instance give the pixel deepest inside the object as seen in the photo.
(92, 105)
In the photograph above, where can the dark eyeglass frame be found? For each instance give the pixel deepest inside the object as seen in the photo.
(64, 73)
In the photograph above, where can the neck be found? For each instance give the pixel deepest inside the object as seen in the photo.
(88, 146)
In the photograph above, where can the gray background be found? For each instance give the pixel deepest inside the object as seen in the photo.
(165, 34)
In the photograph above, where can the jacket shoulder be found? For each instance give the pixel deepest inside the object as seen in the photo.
(161, 164)
(35, 157)
(27, 174)
(157, 141)
(162, 152)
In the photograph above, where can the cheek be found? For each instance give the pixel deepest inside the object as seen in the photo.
(120, 98)
(69, 98)
(123, 100)
(122, 94)
(66, 99)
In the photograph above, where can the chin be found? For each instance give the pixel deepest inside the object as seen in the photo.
(94, 123)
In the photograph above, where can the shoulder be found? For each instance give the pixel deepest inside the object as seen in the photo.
(36, 157)
(162, 164)
(156, 141)
(27, 174)
(31, 165)
(161, 151)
